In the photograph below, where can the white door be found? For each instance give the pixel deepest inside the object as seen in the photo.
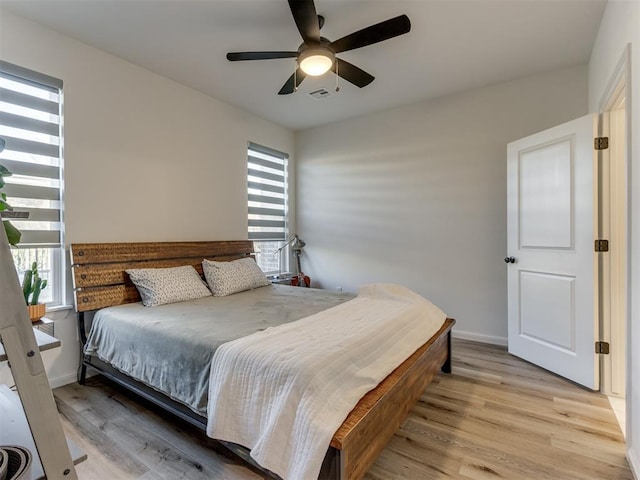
(552, 301)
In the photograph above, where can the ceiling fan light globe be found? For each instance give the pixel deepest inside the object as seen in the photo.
(316, 62)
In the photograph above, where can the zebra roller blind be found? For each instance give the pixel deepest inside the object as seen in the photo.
(30, 123)
(267, 190)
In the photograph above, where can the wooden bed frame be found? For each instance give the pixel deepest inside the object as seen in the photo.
(100, 281)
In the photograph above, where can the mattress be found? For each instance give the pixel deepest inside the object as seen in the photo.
(170, 347)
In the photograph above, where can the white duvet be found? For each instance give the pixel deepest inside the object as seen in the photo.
(283, 392)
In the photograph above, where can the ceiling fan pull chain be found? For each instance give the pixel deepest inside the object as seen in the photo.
(295, 78)
(337, 76)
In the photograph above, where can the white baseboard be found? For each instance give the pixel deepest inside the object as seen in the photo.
(478, 337)
(61, 381)
(634, 463)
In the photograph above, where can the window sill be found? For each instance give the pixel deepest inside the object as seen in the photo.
(282, 276)
(59, 308)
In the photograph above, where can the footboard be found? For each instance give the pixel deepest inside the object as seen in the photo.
(379, 414)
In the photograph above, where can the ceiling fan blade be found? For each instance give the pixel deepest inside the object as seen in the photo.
(352, 74)
(373, 34)
(288, 87)
(306, 18)
(237, 56)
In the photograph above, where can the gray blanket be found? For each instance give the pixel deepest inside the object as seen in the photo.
(170, 347)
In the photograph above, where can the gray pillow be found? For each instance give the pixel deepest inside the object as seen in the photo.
(225, 278)
(158, 286)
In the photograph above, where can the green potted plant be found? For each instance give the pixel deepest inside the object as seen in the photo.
(32, 286)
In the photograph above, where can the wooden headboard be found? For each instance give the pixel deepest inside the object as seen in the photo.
(99, 277)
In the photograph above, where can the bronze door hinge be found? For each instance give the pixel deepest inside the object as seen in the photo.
(601, 245)
(602, 348)
(601, 143)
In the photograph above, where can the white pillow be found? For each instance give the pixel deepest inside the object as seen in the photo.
(225, 278)
(158, 286)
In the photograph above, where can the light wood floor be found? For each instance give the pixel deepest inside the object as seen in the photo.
(495, 417)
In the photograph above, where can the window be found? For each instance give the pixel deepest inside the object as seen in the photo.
(31, 124)
(267, 200)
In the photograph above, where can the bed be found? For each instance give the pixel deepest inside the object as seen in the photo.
(100, 281)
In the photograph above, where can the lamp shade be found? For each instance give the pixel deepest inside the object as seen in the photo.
(297, 244)
(316, 61)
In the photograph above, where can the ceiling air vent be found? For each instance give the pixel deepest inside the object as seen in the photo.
(321, 93)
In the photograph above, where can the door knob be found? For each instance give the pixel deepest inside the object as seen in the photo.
(509, 260)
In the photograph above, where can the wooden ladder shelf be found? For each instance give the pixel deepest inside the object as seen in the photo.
(27, 368)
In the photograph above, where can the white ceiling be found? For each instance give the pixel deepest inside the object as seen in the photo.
(454, 45)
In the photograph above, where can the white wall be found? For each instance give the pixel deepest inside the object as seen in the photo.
(620, 26)
(417, 195)
(145, 159)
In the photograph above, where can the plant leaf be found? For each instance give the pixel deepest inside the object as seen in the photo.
(27, 285)
(13, 234)
(4, 171)
(4, 205)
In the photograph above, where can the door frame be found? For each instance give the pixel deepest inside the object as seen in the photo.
(619, 85)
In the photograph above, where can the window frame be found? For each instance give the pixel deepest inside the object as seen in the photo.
(57, 273)
(261, 238)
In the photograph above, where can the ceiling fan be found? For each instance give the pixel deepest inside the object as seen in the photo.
(317, 55)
